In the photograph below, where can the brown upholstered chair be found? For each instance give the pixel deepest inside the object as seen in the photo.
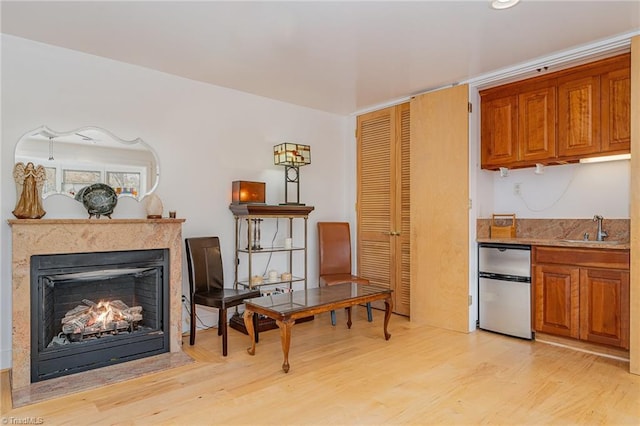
(206, 284)
(334, 240)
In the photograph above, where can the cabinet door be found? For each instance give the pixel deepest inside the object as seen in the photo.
(579, 116)
(499, 131)
(383, 201)
(556, 298)
(616, 111)
(604, 306)
(537, 124)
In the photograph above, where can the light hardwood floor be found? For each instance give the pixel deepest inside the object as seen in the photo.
(422, 375)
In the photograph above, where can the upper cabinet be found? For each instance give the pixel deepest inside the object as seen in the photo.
(536, 122)
(499, 129)
(558, 118)
(615, 107)
(578, 113)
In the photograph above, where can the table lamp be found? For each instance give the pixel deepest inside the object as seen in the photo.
(291, 156)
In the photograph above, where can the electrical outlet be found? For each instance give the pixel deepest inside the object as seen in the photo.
(517, 189)
(184, 298)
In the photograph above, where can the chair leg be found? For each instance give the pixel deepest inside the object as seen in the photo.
(369, 313)
(222, 325)
(192, 334)
(333, 317)
(220, 312)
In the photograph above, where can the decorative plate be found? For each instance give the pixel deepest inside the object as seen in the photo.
(98, 199)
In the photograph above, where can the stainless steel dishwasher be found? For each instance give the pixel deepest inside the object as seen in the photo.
(504, 289)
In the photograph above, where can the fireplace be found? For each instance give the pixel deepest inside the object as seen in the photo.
(42, 237)
(90, 310)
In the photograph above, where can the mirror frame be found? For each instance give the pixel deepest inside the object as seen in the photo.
(48, 132)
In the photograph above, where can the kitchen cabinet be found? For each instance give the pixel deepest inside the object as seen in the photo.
(536, 122)
(582, 294)
(518, 126)
(499, 130)
(556, 300)
(575, 113)
(594, 114)
(383, 232)
(604, 306)
(579, 109)
(615, 109)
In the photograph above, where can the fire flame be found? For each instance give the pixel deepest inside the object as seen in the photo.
(106, 315)
(106, 312)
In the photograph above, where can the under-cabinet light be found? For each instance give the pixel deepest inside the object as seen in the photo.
(503, 4)
(606, 158)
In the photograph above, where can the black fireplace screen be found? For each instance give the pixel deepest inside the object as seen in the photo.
(90, 310)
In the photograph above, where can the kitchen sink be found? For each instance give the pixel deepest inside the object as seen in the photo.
(591, 241)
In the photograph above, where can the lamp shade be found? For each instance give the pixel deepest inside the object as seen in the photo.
(243, 191)
(291, 154)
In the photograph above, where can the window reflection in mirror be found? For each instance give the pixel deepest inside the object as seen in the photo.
(76, 159)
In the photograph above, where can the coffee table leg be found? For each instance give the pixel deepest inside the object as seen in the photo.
(388, 304)
(348, 317)
(248, 323)
(285, 337)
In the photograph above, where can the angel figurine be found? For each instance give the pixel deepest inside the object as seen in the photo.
(29, 182)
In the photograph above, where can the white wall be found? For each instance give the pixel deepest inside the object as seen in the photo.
(205, 136)
(576, 191)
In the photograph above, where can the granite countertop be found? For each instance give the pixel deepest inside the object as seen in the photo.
(613, 245)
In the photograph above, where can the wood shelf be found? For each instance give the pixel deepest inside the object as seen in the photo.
(265, 210)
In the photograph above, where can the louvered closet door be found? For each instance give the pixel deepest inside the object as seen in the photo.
(403, 283)
(383, 201)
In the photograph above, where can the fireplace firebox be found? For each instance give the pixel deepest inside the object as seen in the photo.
(90, 310)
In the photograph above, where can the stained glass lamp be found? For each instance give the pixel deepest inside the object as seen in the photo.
(292, 156)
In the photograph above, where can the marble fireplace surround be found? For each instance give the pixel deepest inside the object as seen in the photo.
(50, 236)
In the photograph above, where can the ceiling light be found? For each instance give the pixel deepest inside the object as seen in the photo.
(606, 158)
(503, 4)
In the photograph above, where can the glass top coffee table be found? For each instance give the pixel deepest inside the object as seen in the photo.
(285, 308)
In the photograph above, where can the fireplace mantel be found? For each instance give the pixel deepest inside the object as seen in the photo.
(101, 221)
(57, 236)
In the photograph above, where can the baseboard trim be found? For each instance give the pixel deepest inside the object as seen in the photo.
(586, 347)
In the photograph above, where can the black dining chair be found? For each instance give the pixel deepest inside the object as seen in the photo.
(206, 284)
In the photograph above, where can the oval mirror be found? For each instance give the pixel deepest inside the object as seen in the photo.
(88, 155)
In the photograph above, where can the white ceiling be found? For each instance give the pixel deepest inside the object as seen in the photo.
(340, 57)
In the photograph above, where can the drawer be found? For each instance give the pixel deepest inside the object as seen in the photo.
(595, 258)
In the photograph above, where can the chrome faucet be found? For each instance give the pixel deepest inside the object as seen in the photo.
(600, 235)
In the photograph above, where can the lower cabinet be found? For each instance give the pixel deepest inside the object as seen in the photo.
(582, 294)
(604, 306)
(557, 300)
